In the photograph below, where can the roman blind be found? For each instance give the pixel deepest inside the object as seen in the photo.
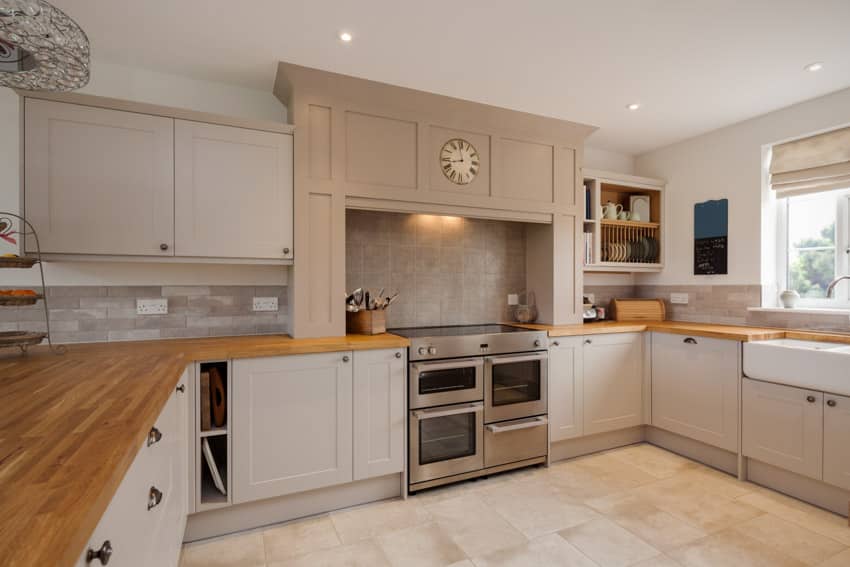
(813, 164)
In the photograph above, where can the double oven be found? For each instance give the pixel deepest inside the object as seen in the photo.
(477, 398)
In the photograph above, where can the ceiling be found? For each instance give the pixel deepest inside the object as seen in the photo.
(694, 65)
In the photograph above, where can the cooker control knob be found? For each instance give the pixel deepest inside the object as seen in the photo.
(423, 351)
(432, 350)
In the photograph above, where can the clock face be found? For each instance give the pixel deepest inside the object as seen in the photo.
(459, 161)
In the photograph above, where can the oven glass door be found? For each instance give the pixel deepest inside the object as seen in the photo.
(446, 441)
(446, 382)
(515, 386)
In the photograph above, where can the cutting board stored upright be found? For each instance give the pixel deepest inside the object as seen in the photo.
(637, 310)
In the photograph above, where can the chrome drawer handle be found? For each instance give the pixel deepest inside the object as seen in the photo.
(181, 388)
(690, 341)
(588, 341)
(154, 498)
(538, 421)
(431, 414)
(831, 403)
(154, 437)
(103, 554)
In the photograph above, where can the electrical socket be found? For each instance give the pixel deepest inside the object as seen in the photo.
(152, 306)
(265, 304)
(679, 298)
(513, 299)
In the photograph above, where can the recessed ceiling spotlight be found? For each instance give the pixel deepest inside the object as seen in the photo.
(345, 36)
(813, 67)
(633, 106)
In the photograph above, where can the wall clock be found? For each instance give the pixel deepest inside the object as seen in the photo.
(459, 161)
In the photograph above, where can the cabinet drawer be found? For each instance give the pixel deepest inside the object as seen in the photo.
(515, 440)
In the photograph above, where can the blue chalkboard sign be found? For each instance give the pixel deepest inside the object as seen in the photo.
(711, 237)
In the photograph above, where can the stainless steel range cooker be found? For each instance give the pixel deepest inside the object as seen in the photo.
(477, 399)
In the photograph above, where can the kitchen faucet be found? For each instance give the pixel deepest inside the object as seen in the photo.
(830, 289)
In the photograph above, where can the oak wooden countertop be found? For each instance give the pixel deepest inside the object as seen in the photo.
(71, 425)
(731, 332)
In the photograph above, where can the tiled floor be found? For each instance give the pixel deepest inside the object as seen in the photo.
(639, 505)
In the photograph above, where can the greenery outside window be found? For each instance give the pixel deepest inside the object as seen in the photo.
(814, 246)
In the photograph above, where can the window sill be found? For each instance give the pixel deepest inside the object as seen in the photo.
(803, 310)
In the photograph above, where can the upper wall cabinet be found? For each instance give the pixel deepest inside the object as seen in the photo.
(100, 181)
(232, 192)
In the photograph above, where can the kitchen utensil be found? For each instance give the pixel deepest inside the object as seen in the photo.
(624, 215)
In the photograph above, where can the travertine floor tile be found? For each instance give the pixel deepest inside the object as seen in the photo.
(299, 537)
(658, 561)
(733, 549)
(792, 540)
(536, 508)
(608, 544)
(243, 550)
(364, 553)
(372, 520)
(800, 513)
(660, 529)
(551, 551)
(420, 546)
(840, 560)
(653, 460)
(475, 527)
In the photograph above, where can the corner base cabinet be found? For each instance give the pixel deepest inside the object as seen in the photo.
(783, 427)
(293, 418)
(146, 518)
(695, 388)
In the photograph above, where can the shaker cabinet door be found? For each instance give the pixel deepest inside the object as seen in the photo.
(783, 426)
(98, 181)
(565, 389)
(613, 382)
(233, 192)
(695, 388)
(379, 377)
(292, 419)
(836, 441)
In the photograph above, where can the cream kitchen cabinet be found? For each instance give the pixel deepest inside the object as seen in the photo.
(292, 418)
(836, 441)
(232, 192)
(695, 388)
(146, 518)
(98, 181)
(613, 382)
(566, 396)
(783, 426)
(379, 386)
(133, 184)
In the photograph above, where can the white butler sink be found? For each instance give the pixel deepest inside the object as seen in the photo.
(814, 365)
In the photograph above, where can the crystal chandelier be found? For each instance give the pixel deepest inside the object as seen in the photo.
(41, 48)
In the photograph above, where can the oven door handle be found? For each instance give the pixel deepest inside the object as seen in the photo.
(508, 359)
(451, 365)
(536, 422)
(432, 413)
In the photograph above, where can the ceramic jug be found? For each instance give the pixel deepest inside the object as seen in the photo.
(611, 210)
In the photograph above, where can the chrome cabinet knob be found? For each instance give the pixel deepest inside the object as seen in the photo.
(103, 554)
(163, 246)
(831, 403)
(346, 358)
(423, 351)
(154, 436)
(154, 497)
(181, 388)
(286, 251)
(810, 399)
(398, 355)
(432, 350)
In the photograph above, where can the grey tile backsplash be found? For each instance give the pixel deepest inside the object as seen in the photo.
(108, 313)
(447, 270)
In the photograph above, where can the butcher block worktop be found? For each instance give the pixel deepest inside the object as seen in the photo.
(710, 330)
(71, 425)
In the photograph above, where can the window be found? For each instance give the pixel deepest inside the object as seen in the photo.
(814, 246)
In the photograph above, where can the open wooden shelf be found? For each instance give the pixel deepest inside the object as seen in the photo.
(628, 223)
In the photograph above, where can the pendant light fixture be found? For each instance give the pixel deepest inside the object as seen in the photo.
(41, 48)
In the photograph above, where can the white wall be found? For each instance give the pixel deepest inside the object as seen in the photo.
(727, 163)
(157, 88)
(595, 158)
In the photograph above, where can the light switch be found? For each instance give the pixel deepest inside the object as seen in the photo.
(679, 298)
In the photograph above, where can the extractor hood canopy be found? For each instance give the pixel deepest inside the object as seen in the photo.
(41, 48)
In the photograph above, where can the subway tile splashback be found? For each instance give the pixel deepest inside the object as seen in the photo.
(108, 313)
(447, 270)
